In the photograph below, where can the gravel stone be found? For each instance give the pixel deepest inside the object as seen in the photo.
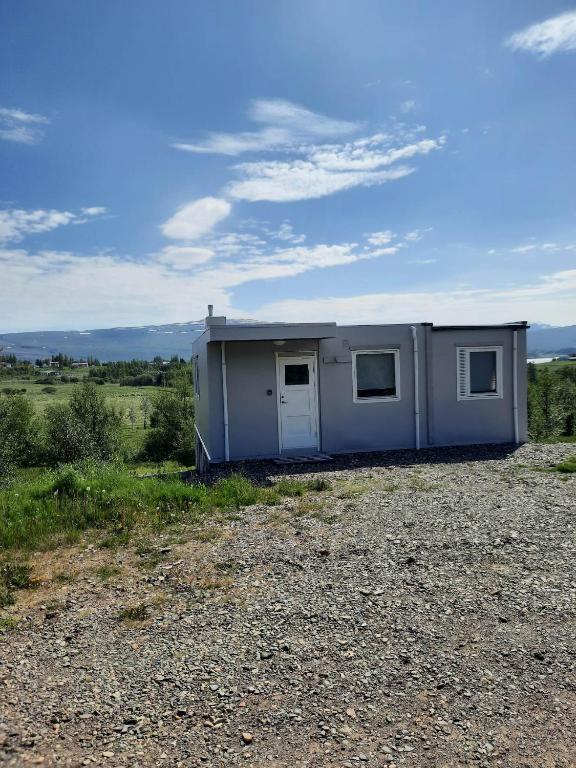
(419, 614)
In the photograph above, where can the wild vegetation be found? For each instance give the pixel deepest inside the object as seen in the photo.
(552, 402)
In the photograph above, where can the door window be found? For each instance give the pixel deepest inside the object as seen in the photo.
(296, 374)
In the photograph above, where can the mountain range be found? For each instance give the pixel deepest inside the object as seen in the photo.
(148, 341)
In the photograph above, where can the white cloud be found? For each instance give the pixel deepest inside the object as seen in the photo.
(295, 118)
(408, 106)
(551, 298)
(284, 123)
(306, 166)
(196, 218)
(177, 282)
(94, 210)
(21, 127)
(327, 169)
(547, 37)
(16, 224)
(184, 257)
(380, 238)
(280, 182)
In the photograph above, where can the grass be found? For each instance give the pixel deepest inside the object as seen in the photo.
(56, 507)
(138, 612)
(13, 575)
(567, 466)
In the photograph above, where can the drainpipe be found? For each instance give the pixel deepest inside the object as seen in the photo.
(515, 385)
(416, 388)
(225, 402)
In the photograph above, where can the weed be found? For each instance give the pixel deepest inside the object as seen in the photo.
(7, 624)
(106, 572)
(567, 466)
(319, 484)
(350, 489)
(287, 487)
(57, 506)
(135, 613)
(207, 534)
(64, 577)
(13, 576)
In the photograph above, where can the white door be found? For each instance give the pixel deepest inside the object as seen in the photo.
(297, 403)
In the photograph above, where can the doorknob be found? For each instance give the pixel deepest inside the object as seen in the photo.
(282, 400)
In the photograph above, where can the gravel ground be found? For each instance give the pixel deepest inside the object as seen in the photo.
(419, 613)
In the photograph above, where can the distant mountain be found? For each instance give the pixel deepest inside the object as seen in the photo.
(148, 341)
(142, 343)
(546, 341)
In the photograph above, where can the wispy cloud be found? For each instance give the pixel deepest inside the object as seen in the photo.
(554, 35)
(170, 284)
(551, 297)
(320, 170)
(284, 124)
(307, 165)
(281, 182)
(21, 127)
(196, 218)
(16, 224)
(408, 106)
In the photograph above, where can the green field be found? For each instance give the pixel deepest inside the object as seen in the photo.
(127, 400)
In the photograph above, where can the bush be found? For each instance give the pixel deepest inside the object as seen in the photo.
(86, 427)
(172, 421)
(49, 390)
(17, 433)
(143, 380)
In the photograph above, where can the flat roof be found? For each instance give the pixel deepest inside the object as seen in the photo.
(499, 326)
(269, 331)
(289, 331)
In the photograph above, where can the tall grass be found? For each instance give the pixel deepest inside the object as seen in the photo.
(46, 510)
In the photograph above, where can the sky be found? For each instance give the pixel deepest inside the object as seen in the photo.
(287, 160)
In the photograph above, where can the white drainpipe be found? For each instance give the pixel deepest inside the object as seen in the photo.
(225, 402)
(515, 386)
(416, 388)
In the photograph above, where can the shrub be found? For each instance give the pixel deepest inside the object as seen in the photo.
(48, 390)
(172, 421)
(86, 427)
(17, 433)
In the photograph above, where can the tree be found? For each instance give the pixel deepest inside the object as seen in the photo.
(172, 421)
(85, 427)
(17, 433)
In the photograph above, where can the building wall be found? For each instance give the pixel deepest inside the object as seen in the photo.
(346, 426)
(252, 413)
(369, 426)
(460, 422)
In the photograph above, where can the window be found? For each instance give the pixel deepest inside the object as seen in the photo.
(196, 378)
(479, 372)
(296, 374)
(376, 375)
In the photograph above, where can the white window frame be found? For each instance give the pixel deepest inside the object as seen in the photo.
(388, 398)
(196, 377)
(463, 375)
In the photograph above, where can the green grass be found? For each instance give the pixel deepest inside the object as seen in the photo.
(567, 466)
(13, 575)
(54, 508)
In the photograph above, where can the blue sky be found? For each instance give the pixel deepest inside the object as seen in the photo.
(286, 160)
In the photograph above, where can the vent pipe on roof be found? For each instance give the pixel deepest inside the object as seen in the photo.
(210, 310)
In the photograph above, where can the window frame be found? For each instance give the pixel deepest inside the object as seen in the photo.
(467, 394)
(386, 398)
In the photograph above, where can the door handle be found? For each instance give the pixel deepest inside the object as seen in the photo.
(282, 400)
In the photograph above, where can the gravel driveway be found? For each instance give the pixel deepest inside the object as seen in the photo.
(419, 613)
